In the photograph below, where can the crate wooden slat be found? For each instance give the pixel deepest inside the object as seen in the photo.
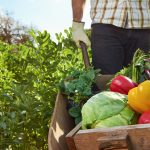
(70, 135)
(61, 124)
(132, 137)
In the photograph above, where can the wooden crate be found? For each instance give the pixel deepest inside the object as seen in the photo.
(131, 137)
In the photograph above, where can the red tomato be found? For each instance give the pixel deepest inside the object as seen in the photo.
(144, 118)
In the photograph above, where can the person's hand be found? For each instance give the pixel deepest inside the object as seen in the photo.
(78, 34)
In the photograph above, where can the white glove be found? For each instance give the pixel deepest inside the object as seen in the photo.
(78, 34)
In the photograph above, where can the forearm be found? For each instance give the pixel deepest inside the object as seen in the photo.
(77, 9)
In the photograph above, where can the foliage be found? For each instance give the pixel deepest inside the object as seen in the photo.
(29, 74)
(139, 65)
(139, 69)
(78, 87)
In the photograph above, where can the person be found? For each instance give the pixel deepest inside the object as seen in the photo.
(118, 29)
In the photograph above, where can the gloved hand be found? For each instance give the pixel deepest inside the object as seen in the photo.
(78, 34)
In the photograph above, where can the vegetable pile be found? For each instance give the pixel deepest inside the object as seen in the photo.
(125, 102)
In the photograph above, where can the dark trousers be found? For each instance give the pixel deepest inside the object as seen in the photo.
(113, 47)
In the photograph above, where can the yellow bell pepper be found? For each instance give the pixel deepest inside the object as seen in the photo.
(139, 97)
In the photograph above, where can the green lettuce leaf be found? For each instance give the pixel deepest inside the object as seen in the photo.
(106, 109)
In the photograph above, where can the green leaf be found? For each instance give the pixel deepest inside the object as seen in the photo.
(75, 112)
(78, 120)
(3, 125)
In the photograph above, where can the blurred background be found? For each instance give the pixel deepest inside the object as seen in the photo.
(53, 16)
(36, 53)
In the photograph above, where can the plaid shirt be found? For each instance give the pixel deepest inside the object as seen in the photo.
(121, 13)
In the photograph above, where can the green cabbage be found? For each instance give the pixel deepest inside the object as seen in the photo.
(107, 109)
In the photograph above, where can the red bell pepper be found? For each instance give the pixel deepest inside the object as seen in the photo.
(144, 118)
(122, 84)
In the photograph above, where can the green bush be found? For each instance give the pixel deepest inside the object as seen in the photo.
(29, 74)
